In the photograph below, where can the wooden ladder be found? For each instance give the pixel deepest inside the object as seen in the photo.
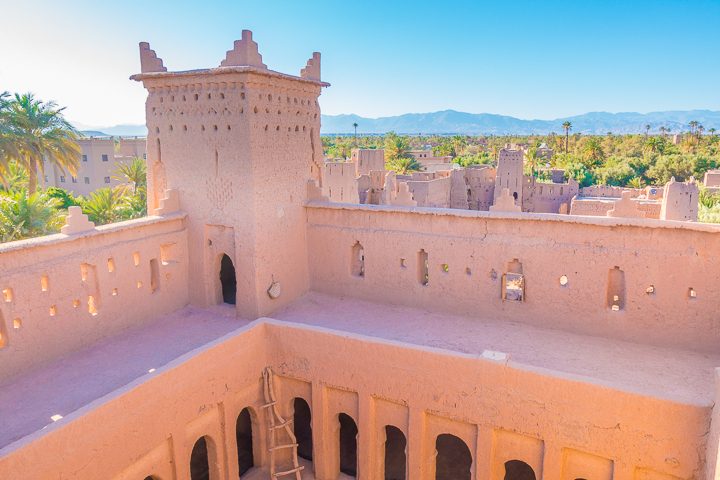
(276, 425)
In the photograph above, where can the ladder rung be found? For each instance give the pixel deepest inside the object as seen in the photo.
(289, 445)
(288, 472)
(267, 405)
(282, 425)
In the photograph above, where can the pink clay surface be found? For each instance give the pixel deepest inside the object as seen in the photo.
(28, 402)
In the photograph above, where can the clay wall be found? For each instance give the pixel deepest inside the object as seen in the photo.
(431, 193)
(239, 147)
(678, 260)
(562, 427)
(61, 293)
(339, 182)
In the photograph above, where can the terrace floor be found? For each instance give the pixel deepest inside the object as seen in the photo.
(27, 402)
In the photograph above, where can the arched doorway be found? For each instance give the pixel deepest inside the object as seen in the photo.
(395, 460)
(454, 460)
(518, 470)
(244, 441)
(303, 428)
(348, 445)
(227, 280)
(199, 461)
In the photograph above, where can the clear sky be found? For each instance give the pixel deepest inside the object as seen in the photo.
(530, 59)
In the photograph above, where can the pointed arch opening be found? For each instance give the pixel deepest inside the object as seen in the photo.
(348, 445)
(200, 461)
(395, 454)
(358, 260)
(453, 460)
(244, 441)
(518, 470)
(302, 424)
(228, 281)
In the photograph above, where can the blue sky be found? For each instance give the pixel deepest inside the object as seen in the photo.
(530, 59)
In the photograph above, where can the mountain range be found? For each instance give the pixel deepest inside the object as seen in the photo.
(454, 122)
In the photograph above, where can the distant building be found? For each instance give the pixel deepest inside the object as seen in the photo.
(99, 159)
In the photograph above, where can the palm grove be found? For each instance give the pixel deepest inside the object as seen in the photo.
(34, 135)
(635, 161)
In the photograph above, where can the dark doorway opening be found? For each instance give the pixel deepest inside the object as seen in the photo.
(395, 460)
(518, 470)
(303, 428)
(227, 280)
(243, 438)
(348, 445)
(199, 462)
(454, 460)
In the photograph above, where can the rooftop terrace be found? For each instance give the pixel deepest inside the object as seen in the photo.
(28, 402)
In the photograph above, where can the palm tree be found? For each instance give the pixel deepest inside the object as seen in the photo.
(133, 173)
(593, 151)
(24, 215)
(700, 130)
(38, 131)
(712, 131)
(647, 129)
(567, 126)
(106, 205)
(663, 130)
(355, 125)
(693, 125)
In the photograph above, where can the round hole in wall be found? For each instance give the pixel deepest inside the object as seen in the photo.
(255, 110)
(563, 280)
(157, 129)
(185, 128)
(215, 127)
(197, 96)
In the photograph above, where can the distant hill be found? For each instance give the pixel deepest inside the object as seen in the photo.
(115, 130)
(454, 122)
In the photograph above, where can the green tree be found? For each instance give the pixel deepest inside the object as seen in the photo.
(106, 205)
(667, 166)
(397, 154)
(24, 215)
(38, 131)
(593, 153)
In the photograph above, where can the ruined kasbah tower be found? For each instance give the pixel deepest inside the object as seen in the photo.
(250, 328)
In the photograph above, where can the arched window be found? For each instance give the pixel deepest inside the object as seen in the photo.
(518, 470)
(453, 460)
(395, 457)
(227, 280)
(348, 445)
(199, 461)
(244, 441)
(303, 428)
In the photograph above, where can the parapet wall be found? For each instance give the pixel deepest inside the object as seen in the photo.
(561, 427)
(667, 280)
(61, 293)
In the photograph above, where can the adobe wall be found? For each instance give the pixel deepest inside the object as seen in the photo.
(679, 260)
(61, 293)
(562, 427)
(599, 207)
(340, 183)
(431, 193)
